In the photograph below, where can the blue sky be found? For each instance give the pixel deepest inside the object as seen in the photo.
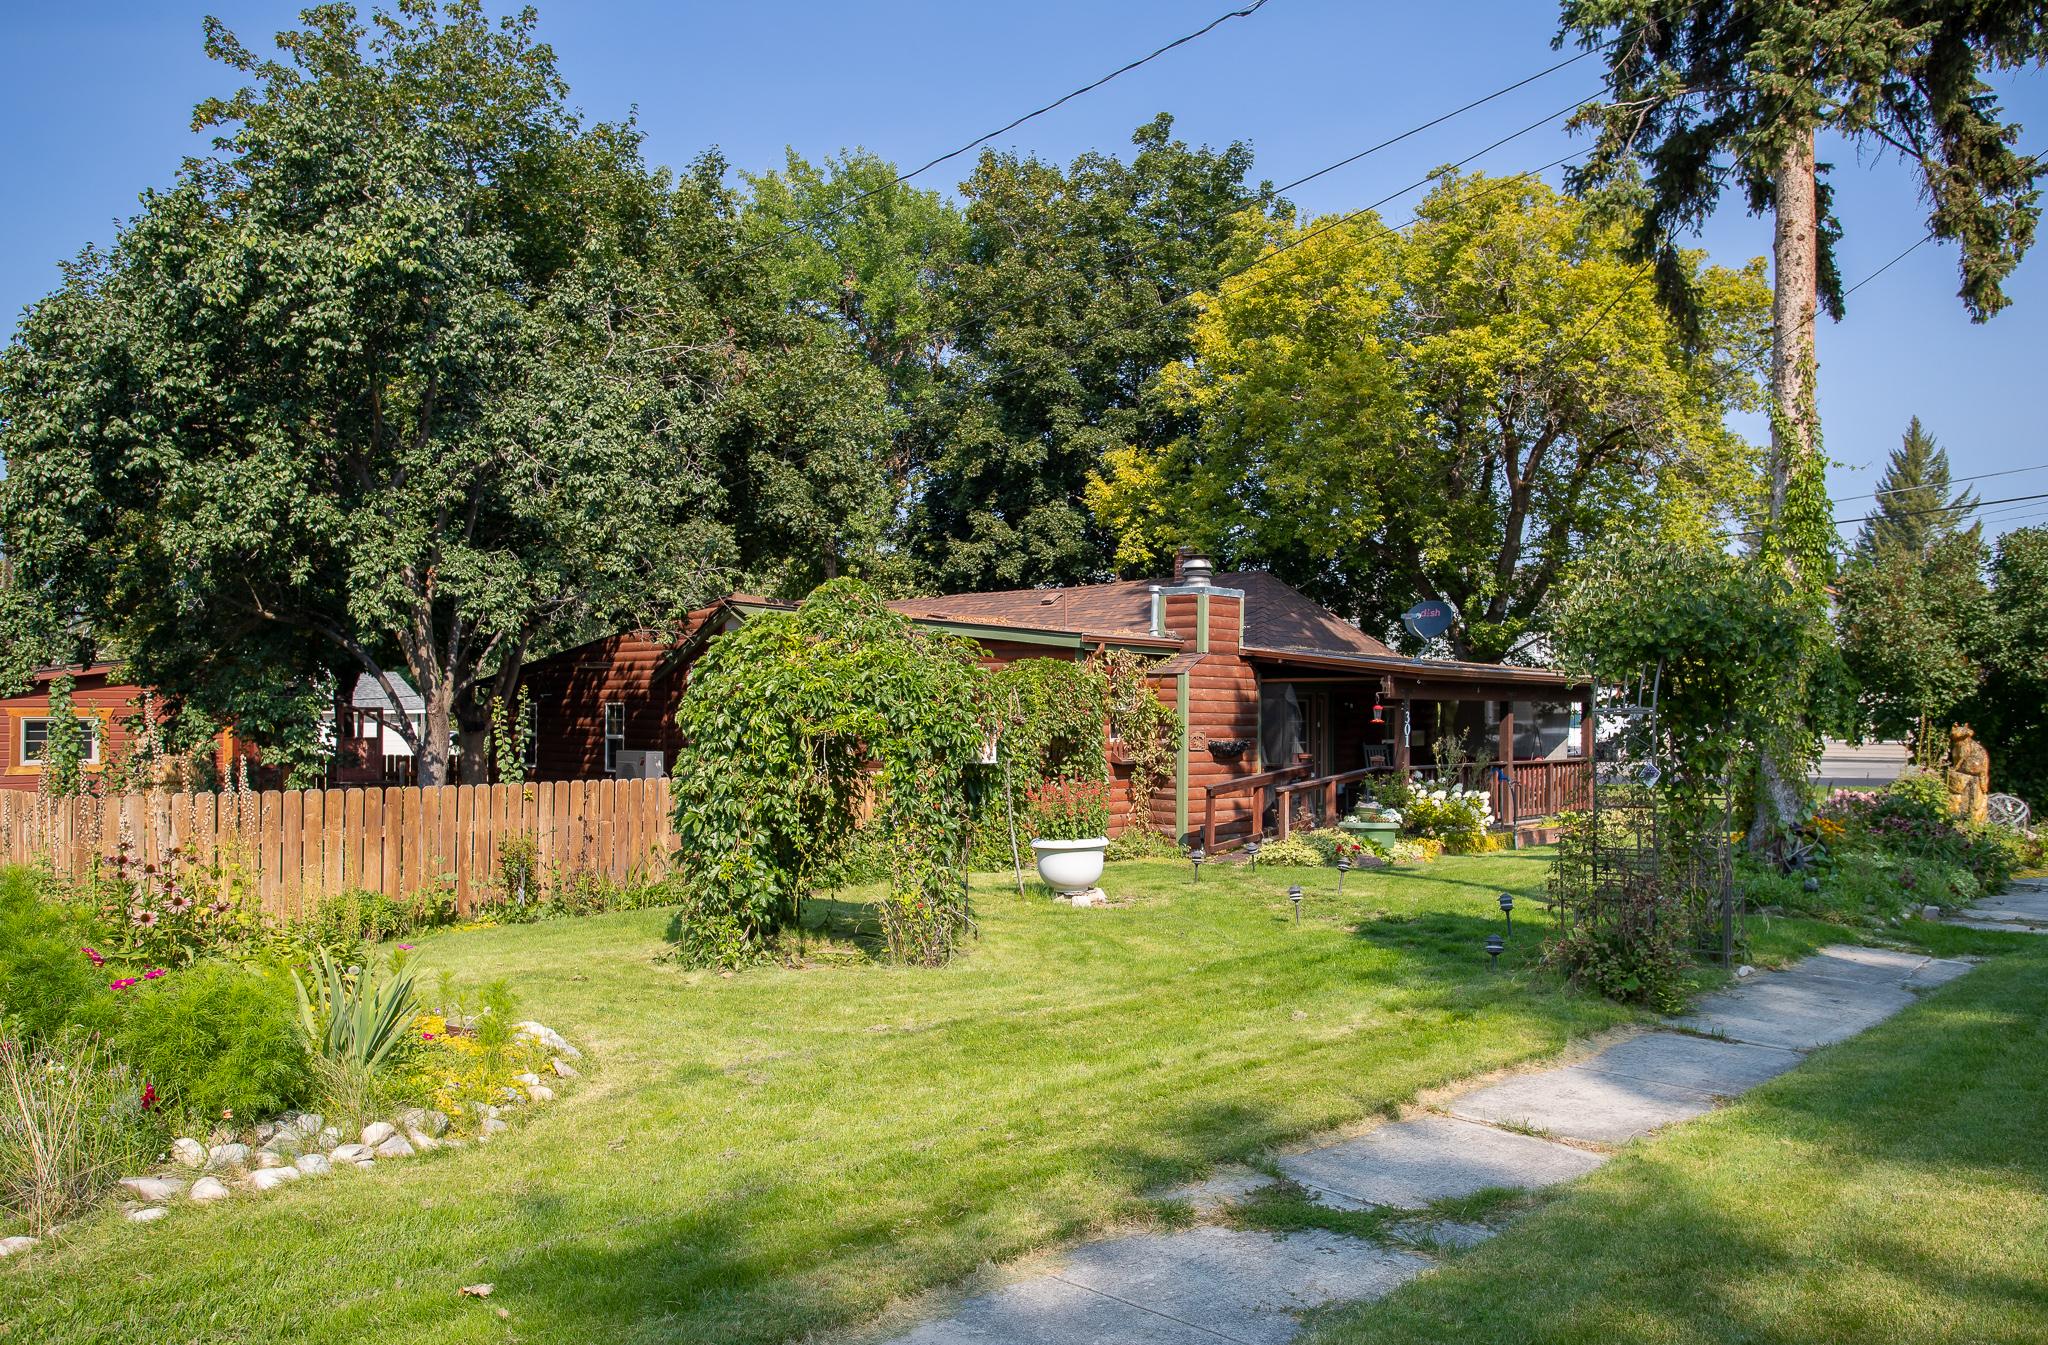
(100, 93)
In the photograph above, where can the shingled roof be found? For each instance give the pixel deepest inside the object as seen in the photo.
(1276, 614)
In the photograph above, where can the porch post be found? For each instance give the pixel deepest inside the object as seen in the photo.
(1507, 761)
(1401, 736)
(1586, 735)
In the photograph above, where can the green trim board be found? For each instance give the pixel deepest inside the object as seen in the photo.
(1202, 622)
(1180, 780)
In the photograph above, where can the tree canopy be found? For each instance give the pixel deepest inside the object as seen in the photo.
(417, 371)
(1452, 412)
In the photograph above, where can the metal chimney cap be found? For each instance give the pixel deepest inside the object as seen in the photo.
(1196, 571)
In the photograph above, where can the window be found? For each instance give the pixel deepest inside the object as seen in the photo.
(614, 735)
(35, 740)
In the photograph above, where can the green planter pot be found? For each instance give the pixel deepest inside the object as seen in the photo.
(1380, 833)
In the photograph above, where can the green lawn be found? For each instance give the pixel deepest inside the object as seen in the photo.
(756, 1156)
(1895, 1188)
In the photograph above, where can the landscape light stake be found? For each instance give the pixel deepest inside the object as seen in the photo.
(1507, 908)
(1343, 867)
(1251, 851)
(1294, 895)
(1195, 857)
(1494, 945)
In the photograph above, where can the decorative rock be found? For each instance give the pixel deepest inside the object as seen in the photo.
(377, 1132)
(264, 1131)
(315, 1165)
(528, 1079)
(272, 1177)
(350, 1153)
(308, 1123)
(423, 1119)
(156, 1190)
(421, 1140)
(147, 1214)
(208, 1189)
(394, 1146)
(226, 1156)
(328, 1138)
(287, 1143)
(491, 1126)
(9, 1246)
(266, 1158)
(562, 1068)
(1744, 970)
(366, 1164)
(547, 1037)
(189, 1152)
(540, 1092)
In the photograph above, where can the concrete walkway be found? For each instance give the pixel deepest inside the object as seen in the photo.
(1211, 1283)
(2021, 909)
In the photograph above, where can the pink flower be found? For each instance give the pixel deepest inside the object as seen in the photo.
(143, 917)
(121, 984)
(426, 1036)
(153, 973)
(148, 1096)
(404, 947)
(179, 903)
(93, 953)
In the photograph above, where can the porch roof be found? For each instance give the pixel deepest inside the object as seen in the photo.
(1425, 679)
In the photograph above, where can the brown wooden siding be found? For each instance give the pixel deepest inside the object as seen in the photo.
(637, 669)
(111, 705)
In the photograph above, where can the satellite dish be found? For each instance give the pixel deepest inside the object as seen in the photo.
(1430, 618)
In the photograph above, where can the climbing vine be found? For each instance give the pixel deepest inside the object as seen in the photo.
(795, 727)
(1148, 730)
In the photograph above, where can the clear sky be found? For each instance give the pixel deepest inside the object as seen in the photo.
(99, 93)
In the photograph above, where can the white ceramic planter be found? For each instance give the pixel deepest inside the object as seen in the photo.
(1070, 866)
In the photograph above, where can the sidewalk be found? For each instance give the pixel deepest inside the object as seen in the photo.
(1210, 1283)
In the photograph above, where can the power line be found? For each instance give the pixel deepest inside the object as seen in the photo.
(1438, 121)
(1957, 480)
(1940, 509)
(790, 227)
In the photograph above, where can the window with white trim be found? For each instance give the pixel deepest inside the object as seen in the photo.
(614, 735)
(532, 736)
(35, 740)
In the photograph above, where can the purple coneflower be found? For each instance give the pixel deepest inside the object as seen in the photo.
(144, 917)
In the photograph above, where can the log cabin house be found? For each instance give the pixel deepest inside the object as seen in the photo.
(1286, 707)
(106, 708)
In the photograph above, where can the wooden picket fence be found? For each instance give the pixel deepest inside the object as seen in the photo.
(296, 846)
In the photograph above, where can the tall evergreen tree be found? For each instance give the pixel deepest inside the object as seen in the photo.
(1705, 96)
(1916, 509)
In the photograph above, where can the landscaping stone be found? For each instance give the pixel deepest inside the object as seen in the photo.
(1179, 1289)
(286, 1143)
(1409, 1164)
(547, 1037)
(528, 1079)
(263, 1131)
(421, 1140)
(393, 1146)
(148, 1214)
(540, 1092)
(189, 1152)
(309, 1123)
(208, 1189)
(270, 1178)
(377, 1132)
(562, 1068)
(156, 1190)
(266, 1158)
(425, 1120)
(315, 1165)
(328, 1138)
(350, 1153)
(10, 1246)
(490, 1126)
(224, 1156)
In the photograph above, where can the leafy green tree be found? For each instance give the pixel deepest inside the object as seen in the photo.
(1454, 412)
(2010, 710)
(417, 372)
(1067, 301)
(1910, 600)
(1709, 96)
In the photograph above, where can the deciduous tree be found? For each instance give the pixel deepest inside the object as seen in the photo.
(1453, 412)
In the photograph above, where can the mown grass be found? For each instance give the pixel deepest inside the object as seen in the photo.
(754, 1157)
(1894, 1188)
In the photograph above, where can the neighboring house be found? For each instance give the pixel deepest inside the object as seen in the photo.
(370, 748)
(1264, 678)
(102, 706)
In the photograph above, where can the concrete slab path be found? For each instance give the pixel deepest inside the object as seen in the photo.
(2020, 909)
(1211, 1283)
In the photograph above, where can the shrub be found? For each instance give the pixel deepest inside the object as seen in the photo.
(1143, 843)
(1452, 814)
(1067, 810)
(1641, 963)
(1295, 852)
(344, 921)
(217, 1039)
(72, 1123)
(49, 979)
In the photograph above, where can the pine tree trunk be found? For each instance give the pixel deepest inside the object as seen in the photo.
(1795, 301)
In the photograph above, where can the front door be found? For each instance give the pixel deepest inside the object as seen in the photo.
(1315, 729)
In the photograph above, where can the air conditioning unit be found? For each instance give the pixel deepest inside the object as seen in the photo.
(637, 765)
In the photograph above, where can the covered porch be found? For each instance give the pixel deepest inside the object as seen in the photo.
(1329, 722)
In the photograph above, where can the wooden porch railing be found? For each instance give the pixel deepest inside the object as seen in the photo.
(1523, 791)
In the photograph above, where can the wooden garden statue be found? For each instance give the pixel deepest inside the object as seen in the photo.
(1969, 773)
